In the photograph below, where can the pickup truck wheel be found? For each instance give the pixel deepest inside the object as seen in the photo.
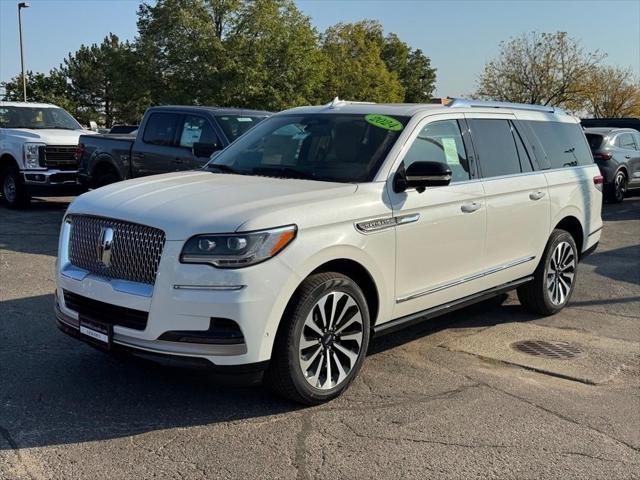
(322, 341)
(14, 194)
(555, 277)
(105, 177)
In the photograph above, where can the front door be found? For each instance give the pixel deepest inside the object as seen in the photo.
(194, 129)
(440, 232)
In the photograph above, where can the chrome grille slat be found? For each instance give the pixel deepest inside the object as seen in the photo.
(135, 253)
(59, 156)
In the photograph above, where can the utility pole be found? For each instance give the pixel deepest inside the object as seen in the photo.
(22, 5)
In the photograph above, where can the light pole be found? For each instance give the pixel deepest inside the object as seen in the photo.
(22, 5)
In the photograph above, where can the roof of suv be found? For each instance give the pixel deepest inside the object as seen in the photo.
(214, 109)
(608, 130)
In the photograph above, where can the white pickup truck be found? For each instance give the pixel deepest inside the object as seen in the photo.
(38, 145)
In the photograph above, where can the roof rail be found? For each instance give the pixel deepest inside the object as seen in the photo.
(337, 102)
(461, 102)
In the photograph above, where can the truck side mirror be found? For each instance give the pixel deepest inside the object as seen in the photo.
(204, 150)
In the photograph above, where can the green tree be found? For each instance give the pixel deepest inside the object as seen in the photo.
(413, 68)
(356, 69)
(102, 81)
(42, 88)
(544, 68)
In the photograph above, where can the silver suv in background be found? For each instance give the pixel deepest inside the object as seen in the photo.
(617, 153)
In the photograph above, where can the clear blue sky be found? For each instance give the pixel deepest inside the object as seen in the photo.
(458, 36)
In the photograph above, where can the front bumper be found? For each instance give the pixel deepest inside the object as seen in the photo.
(186, 298)
(54, 182)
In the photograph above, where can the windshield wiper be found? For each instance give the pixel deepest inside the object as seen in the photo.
(224, 168)
(284, 172)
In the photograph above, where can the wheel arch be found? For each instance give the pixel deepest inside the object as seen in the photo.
(574, 227)
(8, 159)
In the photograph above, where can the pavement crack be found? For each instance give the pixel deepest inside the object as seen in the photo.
(4, 433)
(301, 448)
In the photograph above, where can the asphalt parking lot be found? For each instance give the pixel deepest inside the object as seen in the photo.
(446, 399)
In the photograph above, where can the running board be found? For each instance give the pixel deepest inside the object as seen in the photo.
(403, 322)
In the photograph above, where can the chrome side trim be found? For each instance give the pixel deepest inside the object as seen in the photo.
(379, 224)
(210, 287)
(460, 281)
(595, 231)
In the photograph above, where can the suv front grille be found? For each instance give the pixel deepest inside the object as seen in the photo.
(62, 157)
(105, 312)
(135, 252)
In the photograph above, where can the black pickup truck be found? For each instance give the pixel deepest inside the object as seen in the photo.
(169, 139)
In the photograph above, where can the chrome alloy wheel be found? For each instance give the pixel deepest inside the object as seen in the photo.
(9, 189)
(330, 341)
(560, 273)
(620, 186)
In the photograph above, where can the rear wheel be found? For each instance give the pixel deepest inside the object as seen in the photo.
(323, 340)
(105, 176)
(618, 188)
(14, 193)
(554, 279)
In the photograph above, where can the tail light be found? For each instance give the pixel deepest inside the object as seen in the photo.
(602, 156)
(598, 181)
(79, 151)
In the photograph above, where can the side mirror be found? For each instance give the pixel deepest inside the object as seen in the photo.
(93, 126)
(204, 150)
(420, 175)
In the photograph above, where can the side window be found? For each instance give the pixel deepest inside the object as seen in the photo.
(161, 129)
(625, 141)
(564, 143)
(636, 137)
(196, 129)
(441, 141)
(496, 147)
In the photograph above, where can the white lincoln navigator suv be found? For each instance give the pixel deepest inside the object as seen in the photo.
(323, 226)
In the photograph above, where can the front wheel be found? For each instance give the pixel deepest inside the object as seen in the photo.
(14, 194)
(322, 341)
(555, 277)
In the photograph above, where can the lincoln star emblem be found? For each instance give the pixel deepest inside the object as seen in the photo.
(105, 243)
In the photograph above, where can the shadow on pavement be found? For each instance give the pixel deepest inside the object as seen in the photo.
(621, 264)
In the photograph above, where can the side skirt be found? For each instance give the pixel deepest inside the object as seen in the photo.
(402, 322)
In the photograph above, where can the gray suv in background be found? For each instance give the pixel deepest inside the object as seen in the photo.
(617, 153)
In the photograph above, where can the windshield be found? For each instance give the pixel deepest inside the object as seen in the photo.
(37, 118)
(236, 125)
(326, 147)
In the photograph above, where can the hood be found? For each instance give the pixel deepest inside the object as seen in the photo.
(189, 203)
(49, 136)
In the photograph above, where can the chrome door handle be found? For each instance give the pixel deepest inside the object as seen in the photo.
(536, 195)
(470, 207)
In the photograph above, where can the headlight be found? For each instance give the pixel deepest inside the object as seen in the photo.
(235, 250)
(32, 155)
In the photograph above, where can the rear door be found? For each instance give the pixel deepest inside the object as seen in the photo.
(630, 150)
(193, 128)
(156, 147)
(516, 196)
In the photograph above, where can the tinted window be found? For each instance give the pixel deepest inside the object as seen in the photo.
(636, 137)
(625, 140)
(326, 147)
(595, 141)
(161, 128)
(495, 146)
(523, 155)
(564, 143)
(196, 129)
(235, 125)
(441, 142)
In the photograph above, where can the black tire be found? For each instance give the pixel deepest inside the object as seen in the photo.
(14, 193)
(285, 374)
(105, 177)
(535, 295)
(618, 188)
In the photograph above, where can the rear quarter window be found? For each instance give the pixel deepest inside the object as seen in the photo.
(595, 140)
(564, 143)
